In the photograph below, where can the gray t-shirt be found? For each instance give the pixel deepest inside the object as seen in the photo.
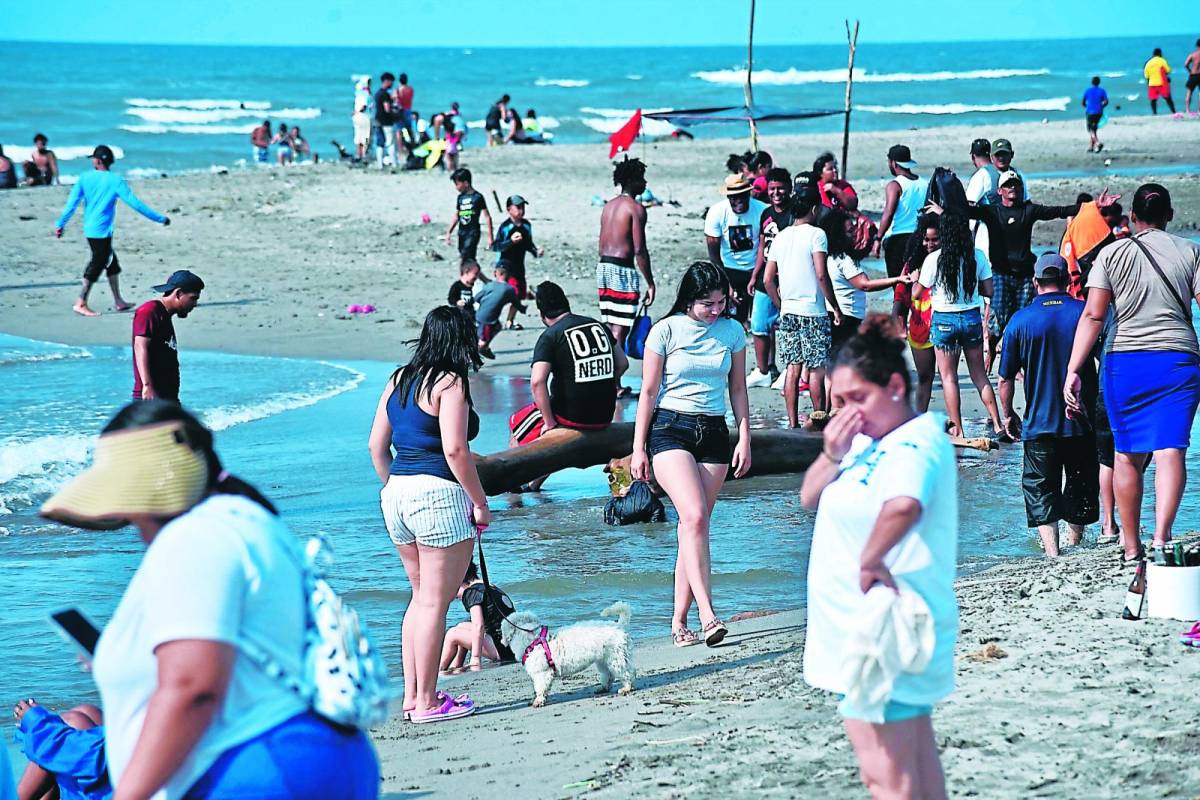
(491, 299)
(696, 361)
(1148, 316)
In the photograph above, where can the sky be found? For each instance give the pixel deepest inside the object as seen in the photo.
(526, 23)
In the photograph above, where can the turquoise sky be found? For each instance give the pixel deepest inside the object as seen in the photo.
(524, 23)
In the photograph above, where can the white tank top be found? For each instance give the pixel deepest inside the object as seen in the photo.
(912, 200)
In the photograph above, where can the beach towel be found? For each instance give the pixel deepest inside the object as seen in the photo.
(894, 635)
(1082, 241)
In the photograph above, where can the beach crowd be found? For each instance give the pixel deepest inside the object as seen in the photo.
(204, 672)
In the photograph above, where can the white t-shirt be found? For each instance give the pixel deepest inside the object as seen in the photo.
(792, 251)
(738, 232)
(697, 358)
(221, 572)
(852, 302)
(965, 302)
(915, 460)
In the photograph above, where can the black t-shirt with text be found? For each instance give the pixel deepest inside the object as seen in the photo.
(470, 204)
(769, 226)
(583, 384)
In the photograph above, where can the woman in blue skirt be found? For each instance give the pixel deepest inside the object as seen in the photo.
(1152, 365)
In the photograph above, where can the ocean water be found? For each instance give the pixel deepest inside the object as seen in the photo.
(175, 108)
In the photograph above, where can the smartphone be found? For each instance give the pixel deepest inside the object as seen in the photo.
(77, 628)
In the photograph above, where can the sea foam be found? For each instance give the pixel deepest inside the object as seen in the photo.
(1049, 104)
(168, 115)
(218, 419)
(201, 104)
(794, 76)
(565, 83)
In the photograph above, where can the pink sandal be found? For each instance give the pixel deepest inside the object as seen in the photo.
(462, 699)
(451, 708)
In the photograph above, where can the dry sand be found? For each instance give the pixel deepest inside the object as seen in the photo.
(1083, 704)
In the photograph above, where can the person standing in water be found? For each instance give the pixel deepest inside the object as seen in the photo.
(155, 352)
(694, 355)
(99, 191)
(623, 253)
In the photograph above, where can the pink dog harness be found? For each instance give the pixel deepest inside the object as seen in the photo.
(545, 644)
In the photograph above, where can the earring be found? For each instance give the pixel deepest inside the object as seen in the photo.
(895, 397)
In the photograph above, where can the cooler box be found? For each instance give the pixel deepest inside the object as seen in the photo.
(1173, 592)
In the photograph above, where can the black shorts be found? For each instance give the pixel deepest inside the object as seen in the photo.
(1061, 481)
(893, 253)
(1104, 436)
(103, 260)
(468, 242)
(739, 282)
(1093, 122)
(1193, 81)
(705, 436)
(839, 334)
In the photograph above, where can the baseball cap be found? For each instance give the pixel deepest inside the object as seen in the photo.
(1050, 266)
(181, 279)
(105, 154)
(901, 155)
(1008, 176)
(736, 184)
(551, 299)
(1002, 146)
(981, 147)
(516, 200)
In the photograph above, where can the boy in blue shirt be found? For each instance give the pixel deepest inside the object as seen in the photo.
(1094, 101)
(99, 191)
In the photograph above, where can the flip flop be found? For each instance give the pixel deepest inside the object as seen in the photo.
(714, 632)
(684, 638)
(448, 710)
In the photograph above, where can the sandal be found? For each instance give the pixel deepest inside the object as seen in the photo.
(451, 708)
(1133, 562)
(1112, 538)
(682, 637)
(714, 632)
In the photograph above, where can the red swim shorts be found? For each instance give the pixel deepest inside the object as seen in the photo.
(1159, 92)
(526, 424)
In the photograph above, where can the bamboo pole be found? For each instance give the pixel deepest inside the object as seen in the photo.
(852, 42)
(749, 88)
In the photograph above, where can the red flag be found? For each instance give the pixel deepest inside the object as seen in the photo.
(622, 140)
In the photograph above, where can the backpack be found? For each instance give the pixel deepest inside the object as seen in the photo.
(344, 677)
(947, 191)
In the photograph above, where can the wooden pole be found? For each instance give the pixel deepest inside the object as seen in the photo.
(749, 87)
(852, 41)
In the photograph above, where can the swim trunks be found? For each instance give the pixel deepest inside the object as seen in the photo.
(619, 286)
(1193, 81)
(1159, 92)
(1093, 122)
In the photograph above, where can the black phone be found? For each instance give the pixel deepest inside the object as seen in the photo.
(78, 628)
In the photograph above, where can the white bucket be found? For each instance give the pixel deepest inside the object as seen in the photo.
(1173, 592)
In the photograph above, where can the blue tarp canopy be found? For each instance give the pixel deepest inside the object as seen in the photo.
(743, 113)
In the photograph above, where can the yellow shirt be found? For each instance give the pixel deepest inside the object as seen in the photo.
(1156, 70)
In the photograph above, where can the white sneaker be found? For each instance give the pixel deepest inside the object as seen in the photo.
(757, 378)
(778, 384)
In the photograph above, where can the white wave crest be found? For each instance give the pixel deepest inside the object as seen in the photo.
(218, 419)
(8, 359)
(793, 76)
(32, 467)
(650, 127)
(20, 152)
(617, 113)
(199, 129)
(1049, 104)
(565, 83)
(633, 77)
(201, 104)
(193, 116)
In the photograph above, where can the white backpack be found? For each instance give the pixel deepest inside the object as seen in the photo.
(345, 679)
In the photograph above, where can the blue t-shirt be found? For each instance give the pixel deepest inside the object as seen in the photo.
(1094, 99)
(1038, 340)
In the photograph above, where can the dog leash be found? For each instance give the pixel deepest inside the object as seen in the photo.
(487, 584)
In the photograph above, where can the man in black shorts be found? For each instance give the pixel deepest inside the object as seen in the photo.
(469, 207)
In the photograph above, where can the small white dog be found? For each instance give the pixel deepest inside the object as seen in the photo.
(572, 650)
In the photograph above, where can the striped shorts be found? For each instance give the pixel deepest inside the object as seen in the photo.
(619, 288)
(426, 510)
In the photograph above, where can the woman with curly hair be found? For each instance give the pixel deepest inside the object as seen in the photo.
(958, 276)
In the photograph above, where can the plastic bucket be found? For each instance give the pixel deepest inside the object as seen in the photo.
(1173, 592)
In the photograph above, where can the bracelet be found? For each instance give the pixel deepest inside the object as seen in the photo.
(825, 453)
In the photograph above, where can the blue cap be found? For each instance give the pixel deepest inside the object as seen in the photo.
(1050, 266)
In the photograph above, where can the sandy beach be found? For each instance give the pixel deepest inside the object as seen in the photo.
(1079, 704)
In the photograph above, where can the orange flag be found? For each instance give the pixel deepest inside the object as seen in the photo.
(623, 139)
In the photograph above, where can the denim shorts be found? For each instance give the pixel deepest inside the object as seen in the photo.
(705, 436)
(763, 314)
(957, 330)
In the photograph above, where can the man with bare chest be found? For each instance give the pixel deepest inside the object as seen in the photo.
(623, 252)
(41, 169)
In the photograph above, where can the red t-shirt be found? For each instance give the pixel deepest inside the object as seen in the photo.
(153, 321)
(829, 200)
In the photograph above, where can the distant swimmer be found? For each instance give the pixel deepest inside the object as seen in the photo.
(1192, 65)
(1094, 101)
(155, 352)
(41, 168)
(623, 252)
(1158, 82)
(99, 191)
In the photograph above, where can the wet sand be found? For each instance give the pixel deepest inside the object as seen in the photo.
(1083, 704)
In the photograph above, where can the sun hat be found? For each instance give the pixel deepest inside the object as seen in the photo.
(151, 470)
(736, 184)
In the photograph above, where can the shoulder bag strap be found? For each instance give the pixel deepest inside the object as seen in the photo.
(1184, 305)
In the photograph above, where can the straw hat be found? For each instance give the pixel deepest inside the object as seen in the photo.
(735, 184)
(149, 470)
